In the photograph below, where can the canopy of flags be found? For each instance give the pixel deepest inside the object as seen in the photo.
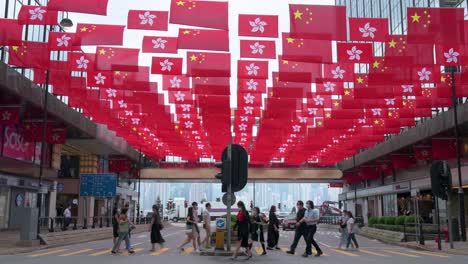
(317, 108)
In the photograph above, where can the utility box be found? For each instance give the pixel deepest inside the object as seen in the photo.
(219, 240)
(28, 219)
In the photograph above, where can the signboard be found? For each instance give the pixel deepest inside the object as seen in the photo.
(220, 223)
(336, 185)
(98, 185)
(225, 199)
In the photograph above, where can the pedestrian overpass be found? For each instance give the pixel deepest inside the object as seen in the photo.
(318, 175)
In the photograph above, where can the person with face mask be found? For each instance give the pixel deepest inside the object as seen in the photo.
(301, 228)
(311, 218)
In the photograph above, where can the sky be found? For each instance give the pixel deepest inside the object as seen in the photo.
(118, 10)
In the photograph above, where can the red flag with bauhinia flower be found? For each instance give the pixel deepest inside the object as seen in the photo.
(79, 61)
(116, 59)
(159, 44)
(319, 22)
(252, 69)
(444, 148)
(258, 26)
(428, 25)
(208, 14)
(10, 32)
(96, 7)
(9, 115)
(422, 152)
(37, 15)
(368, 29)
(95, 34)
(30, 55)
(166, 66)
(64, 41)
(354, 53)
(57, 136)
(208, 64)
(259, 49)
(203, 39)
(147, 20)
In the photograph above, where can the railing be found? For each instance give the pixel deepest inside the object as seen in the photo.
(57, 224)
(422, 232)
(335, 220)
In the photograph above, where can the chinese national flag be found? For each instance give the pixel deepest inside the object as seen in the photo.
(354, 53)
(159, 44)
(259, 49)
(318, 22)
(252, 69)
(207, 64)
(57, 136)
(96, 7)
(37, 15)
(444, 149)
(133, 81)
(79, 61)
(11, 33)
(428, 25)
(298, 72)
(9, 115)
(203, 39)
(64, 41)
(32, 130)
(30, 55)
(98, 34)
(208, 14)
(166, 66)
(422, 152)
(368, 29)
(147, 20)
(116, 59)
(306, 50)
(258, 26)
(398, 48)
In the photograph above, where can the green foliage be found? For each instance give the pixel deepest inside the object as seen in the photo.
(400, 220)
(382, 220)
(390, 220)
(373, 220)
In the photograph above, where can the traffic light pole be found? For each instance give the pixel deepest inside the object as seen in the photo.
(229, 201)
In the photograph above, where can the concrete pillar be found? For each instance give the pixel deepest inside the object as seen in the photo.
(85, 209)
(53, 201)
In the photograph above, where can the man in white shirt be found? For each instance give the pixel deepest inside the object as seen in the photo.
(67, 215)
(311, 218)
(207, 225)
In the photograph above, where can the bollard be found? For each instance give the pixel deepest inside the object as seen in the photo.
(94, 223)
(51, 229)
(219, 239)
(85, 223)
(74, 224)
(100, 222)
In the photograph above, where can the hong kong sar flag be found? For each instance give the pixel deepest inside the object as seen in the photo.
(253, 69)
(166, 66)
(258, 26)
(36, 15)
(147, 20)
(261, 49)
(159, 44)
(368, 29)
(9, 115)
(354, 53)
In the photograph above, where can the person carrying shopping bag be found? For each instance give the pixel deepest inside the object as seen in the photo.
(124, 229)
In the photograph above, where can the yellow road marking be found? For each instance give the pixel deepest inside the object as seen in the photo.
(107, 251)
(428, 254)
(49, 252)
(76, 252)
(372, 253)
(345, 253)
(323, 254)
(126, 254)
(401, 253)
(159, 252)
(187, 251)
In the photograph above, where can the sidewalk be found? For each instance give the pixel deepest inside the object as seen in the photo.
(459, 248)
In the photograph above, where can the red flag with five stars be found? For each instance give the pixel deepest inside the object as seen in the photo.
(9, 115)
(203, 39)
(30, 55)
(37, 15)
(258, 26)
(208, 64)
(116, 59)
(96, 7)
(306, 50)
(147, 20)
(208, 14)
(98, 34)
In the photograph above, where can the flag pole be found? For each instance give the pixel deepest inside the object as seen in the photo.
(461, 195)
(139, 186)
(43, 148)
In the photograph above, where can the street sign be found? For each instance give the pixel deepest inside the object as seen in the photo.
(98, 185)
(220, 223)
(225, 199)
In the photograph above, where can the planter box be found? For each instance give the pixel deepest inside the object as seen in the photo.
(382, 235)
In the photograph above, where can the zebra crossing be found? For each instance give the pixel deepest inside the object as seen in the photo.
(329, 253)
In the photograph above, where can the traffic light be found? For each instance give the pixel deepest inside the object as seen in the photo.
(234, 170)
(441, 178)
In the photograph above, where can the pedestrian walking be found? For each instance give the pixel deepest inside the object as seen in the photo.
(311, 218)
(257, 229)
(124, 229)
(243, 229)
(189, 230)
(156, 227)
(115, 224)
(343, 229)
(301, 228)
(273, 229)
(352, 229)
(67, 215)
(196, 235)
(207, 225)
(59, 217)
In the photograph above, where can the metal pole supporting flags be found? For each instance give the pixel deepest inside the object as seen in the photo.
(43, 149)
(355, 187)
(139, 186)
(461, 195)
(229, 200)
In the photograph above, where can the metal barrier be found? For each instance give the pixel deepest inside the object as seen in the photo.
(422, 232)
(57, 224)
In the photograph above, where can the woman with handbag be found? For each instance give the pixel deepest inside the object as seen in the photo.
(273, 229)
(257, 229)
(156, 227)
(189, 230)
(243, 231)
(124, 229)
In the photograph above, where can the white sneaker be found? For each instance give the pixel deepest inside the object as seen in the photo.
(198, 250)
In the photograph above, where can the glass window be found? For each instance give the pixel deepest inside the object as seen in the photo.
(390, 204)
